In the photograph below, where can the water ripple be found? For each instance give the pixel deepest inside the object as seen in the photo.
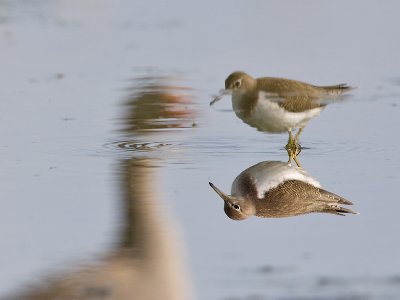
(132, 146)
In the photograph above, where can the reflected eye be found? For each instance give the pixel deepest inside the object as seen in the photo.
(237, 83)
(237, 207)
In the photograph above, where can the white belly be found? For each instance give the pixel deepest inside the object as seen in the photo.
(268, 116)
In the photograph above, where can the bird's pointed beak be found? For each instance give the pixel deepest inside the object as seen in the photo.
(224, 196)
(218, 97)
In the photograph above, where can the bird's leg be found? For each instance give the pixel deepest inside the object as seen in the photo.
(290, 154)
(290, 141)
(297, 161)
(296, 137)
(289, 146)
(296, 141)
(293, 148)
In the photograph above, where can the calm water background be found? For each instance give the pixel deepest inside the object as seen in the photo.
(67, 68)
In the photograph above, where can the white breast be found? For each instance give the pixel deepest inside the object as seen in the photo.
(268, 116)
(269, 174)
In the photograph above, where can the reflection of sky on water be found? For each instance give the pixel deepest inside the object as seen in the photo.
(57, 175)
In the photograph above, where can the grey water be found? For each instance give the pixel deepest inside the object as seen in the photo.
(108, 143)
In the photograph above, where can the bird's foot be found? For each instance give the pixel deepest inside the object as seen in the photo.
(293, 149)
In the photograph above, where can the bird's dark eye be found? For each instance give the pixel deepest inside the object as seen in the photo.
(237, 207)
(237, 83)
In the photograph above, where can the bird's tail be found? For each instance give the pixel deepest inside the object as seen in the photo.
(336, 209)
(337, 89)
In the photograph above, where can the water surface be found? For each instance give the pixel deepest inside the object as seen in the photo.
(95, 91)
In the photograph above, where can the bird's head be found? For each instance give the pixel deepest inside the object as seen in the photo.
(236, 208)
(240, 81)
(236, 82)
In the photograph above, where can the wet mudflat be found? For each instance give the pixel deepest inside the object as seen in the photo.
(109, 142)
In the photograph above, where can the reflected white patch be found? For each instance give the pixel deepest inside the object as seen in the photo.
(269, 174)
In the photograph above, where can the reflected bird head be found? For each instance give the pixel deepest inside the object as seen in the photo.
(236, 208)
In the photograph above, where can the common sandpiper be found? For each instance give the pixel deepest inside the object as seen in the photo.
(275, 189)
(277, 104)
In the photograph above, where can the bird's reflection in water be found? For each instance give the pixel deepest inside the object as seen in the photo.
(147, 261)
(157, 104)
(279, 105)
(276, 189)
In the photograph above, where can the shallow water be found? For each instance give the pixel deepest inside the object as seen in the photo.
(108, 145)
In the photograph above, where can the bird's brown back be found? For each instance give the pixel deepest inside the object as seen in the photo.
(297, 96)
(294, 197)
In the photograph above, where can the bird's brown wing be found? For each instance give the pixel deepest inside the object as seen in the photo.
(299, 103)
(336, 89)
(292, 95)
(331, 197)
(298, 96)
(294, 197)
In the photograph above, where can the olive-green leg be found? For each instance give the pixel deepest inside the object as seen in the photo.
(293, 148)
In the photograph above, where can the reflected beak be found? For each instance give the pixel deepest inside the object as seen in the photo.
(221, 93)
(224, 196)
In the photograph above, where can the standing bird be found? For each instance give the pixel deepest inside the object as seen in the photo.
(275, 189)
(277, 104)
